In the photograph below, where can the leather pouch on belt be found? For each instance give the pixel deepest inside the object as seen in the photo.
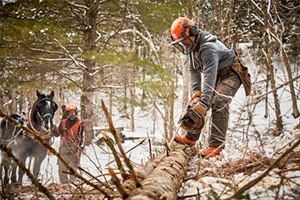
(243, 73)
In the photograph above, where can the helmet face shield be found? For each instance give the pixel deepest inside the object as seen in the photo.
(178, 44)
(181, 47)
(177, 41)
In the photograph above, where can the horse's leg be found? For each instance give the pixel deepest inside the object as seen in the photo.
(13, 176)
(38, 161)
(7, 166)
(21, 172)
(5, 169)
(37, 166)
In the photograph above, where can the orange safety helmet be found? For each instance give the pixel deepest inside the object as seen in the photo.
(181, 29)
(71, 107)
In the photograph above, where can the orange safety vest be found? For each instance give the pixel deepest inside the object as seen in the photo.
(70, 137)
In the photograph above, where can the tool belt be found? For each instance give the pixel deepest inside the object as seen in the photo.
(225, 72)
(242, 71)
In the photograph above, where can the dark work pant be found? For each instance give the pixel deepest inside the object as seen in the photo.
(226, 88)
(69, 155)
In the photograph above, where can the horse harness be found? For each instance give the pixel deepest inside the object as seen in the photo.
(46, 112)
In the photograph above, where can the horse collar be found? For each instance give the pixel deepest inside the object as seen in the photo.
(31, 122)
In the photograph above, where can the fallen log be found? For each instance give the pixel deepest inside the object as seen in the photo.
(129, 184)
(164, 181)
(142, 173)
(166, 172)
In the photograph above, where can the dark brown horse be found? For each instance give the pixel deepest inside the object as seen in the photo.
(40, 120)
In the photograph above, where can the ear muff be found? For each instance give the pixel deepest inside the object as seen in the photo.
(185, 26)
(192, 29)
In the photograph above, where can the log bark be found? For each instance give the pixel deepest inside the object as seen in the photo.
(165, 180)
(129, 184)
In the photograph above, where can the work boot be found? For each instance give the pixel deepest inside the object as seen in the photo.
(210, 152)
(184, 140)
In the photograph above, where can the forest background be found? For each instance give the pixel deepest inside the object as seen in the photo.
(117, 51)
(88, 50)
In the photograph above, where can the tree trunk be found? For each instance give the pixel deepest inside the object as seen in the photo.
(269, 54)
(13, 97)
(230, 23)
(171, 107)
(131, 86)
(191, 9)
(290, 76)
(111, 94)
(185, 66)
(165, 180)
(129, 185)
(218, 12)
(165, 119)
(86, 100)
(133, 97)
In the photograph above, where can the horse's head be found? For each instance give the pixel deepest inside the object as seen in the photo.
(44, 109)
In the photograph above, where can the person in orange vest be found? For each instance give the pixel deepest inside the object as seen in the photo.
(71, 131)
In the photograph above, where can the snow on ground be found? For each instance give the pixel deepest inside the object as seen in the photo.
(242, 143)
(239, 164)
(95, 159)
(239, 145)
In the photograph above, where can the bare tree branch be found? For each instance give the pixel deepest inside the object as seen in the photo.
(265, 173)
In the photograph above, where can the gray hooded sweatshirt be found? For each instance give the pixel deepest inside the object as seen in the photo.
(208, 57)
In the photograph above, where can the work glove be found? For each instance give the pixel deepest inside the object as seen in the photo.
(200, 108)
(195, 97)
(193, 119)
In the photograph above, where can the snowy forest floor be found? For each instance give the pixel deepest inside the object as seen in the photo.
(243, 161)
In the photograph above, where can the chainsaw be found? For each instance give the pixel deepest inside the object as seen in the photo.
(192, 120)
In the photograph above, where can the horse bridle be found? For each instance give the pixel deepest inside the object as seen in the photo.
(42, 115)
